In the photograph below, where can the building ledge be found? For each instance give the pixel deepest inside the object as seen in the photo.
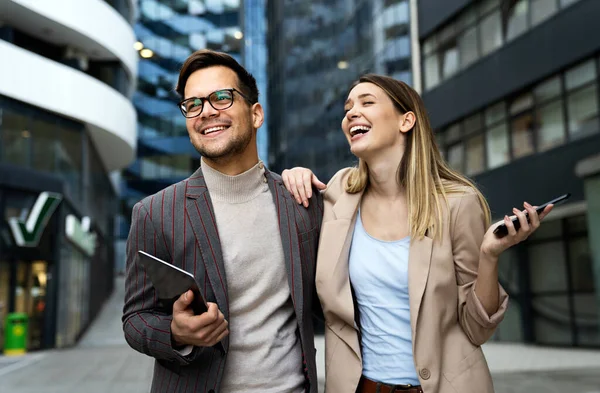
(589, 166)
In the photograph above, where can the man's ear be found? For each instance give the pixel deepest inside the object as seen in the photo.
(258, 115)
(407, 121)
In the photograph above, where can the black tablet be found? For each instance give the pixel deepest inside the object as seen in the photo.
(171, 282)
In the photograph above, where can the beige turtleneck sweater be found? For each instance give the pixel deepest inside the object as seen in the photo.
(265, 354)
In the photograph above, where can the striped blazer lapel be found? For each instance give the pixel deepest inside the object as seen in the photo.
(289, 241)
(202, 220)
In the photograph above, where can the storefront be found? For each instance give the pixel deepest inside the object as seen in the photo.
(57, 208)
(47, 251)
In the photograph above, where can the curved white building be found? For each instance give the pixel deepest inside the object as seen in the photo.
(88, 31)
(68, 69)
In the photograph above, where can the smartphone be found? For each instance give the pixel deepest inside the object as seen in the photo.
(501, 229)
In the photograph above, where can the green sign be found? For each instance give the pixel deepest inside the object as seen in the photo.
(79, 233)
(27, 233)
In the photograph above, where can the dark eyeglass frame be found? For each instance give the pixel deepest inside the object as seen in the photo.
(207, 99)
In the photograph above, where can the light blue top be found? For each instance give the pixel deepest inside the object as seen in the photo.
(379, 276)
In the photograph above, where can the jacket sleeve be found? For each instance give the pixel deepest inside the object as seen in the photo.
(147, 329)
(467, 235)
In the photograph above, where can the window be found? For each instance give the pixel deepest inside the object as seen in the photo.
(547, 264)
(542, 10)
(497, 146)
(521, 103)
(551, 323)
(516, 19)
(46, 138)
(580, 75)
(547, 90)
(456, 156)
(495, 113)
(473, 124)
(580, 257)
(15, 146)
(453, 133)
(432, 71)
(561, 108)
(468, 47)
(522, 136)
(449, 60)
(550, 123)
(582, 99)
(490, 29)
(582, 107)
(479, 30)
(475, 162)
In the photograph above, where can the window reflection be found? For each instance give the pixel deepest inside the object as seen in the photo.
(537, 119)
(480, 29)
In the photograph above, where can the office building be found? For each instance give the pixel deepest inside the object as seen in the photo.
(66, 124)
(316, 50)
(167, 33)
(512, 91)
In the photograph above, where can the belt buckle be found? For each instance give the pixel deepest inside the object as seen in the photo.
(400, 387)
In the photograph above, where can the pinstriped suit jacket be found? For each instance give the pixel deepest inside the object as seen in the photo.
(177, 225)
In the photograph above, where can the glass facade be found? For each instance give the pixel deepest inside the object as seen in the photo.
(254, 54)
(123, 7)
(34, 141)
(551, 282)
(562, 108)
(552, 121)
(480, 29)
(316, 50)
(168, 32)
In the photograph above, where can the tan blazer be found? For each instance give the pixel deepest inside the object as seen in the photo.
(447, 320)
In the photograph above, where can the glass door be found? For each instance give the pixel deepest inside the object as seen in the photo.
(30, 297)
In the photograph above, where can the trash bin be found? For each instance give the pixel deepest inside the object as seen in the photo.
(15, 334)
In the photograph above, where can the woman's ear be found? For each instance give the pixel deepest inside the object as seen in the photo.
(407, 121)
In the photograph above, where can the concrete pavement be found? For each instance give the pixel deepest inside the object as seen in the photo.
(102, 362)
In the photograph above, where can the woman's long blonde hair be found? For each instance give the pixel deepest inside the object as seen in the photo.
(422, 172)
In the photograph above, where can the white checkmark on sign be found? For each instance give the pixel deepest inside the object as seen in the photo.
(79, 233)
(28, 233)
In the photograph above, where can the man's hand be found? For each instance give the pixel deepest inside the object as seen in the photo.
(204, 330)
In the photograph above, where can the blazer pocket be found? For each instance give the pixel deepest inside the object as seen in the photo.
(471, 360)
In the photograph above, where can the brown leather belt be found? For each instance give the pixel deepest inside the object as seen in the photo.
(367, 386)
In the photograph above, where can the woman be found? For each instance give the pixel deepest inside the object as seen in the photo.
(406, 273)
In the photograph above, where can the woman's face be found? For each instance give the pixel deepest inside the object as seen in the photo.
(372, 122)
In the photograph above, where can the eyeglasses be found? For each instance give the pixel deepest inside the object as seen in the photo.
(220, 100)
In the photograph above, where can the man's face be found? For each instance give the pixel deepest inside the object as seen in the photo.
(219, 134)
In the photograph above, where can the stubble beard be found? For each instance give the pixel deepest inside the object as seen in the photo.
(234, 147)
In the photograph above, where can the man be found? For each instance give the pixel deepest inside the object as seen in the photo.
(251, 248)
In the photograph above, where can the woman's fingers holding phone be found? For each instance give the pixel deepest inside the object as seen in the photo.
(524, 225)
(510, 227)
(545, 212)
(534, 219)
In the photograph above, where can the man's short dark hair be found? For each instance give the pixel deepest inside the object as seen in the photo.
(205, 58)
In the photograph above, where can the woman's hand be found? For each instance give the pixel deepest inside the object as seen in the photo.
(299, 182)
(493, 246)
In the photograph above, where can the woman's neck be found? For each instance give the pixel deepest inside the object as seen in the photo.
(383, 175)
